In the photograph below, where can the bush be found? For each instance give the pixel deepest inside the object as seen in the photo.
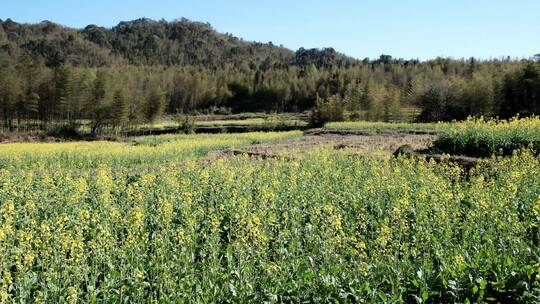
(185, 123)
(355, 116)
(65, 131)
(220, 110)
(326, 110)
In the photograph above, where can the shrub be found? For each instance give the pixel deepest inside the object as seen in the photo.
(185, 123)
(65, 131)
(326, 110)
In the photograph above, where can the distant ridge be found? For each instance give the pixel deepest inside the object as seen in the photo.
(148, 42)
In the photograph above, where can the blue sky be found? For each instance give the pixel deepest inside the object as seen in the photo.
(363, 28)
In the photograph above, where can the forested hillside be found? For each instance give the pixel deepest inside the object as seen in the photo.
(138, 70)
(148, 42)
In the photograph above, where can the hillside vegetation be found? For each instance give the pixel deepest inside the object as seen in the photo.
(148, 42)
(135, 72)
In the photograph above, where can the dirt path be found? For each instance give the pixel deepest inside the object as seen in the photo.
(366, 144)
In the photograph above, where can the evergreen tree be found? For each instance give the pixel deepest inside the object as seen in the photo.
(326, 110)
(98, 106)
(9, 94)
(156, 103)
(391, 104)
(63, 91)
(119, 109)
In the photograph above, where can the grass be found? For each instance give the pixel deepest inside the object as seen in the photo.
(218, 124)
(251, 122)
(244, 119)
(234, 123)
(380, 127)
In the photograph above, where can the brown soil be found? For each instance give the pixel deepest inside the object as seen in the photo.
(357, 145)
(366, 144)
(26, 137)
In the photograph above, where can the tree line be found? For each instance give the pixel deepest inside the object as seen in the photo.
(131, 88)
(443, 89)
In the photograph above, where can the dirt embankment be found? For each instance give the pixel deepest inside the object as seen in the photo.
(387, 143)
(364, 144)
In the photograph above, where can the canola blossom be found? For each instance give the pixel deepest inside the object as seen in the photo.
(329, 227)
(481, 137)
(143, 151)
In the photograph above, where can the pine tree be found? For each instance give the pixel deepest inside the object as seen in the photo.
(32, 104)
(63, 91)
(155, 105)
(98, 107)
(119, 109)
(9, 94)
(353, 97)
(31, 73)
(391, 104)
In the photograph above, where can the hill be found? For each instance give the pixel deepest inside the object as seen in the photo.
(148, 42)
(136, 71)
